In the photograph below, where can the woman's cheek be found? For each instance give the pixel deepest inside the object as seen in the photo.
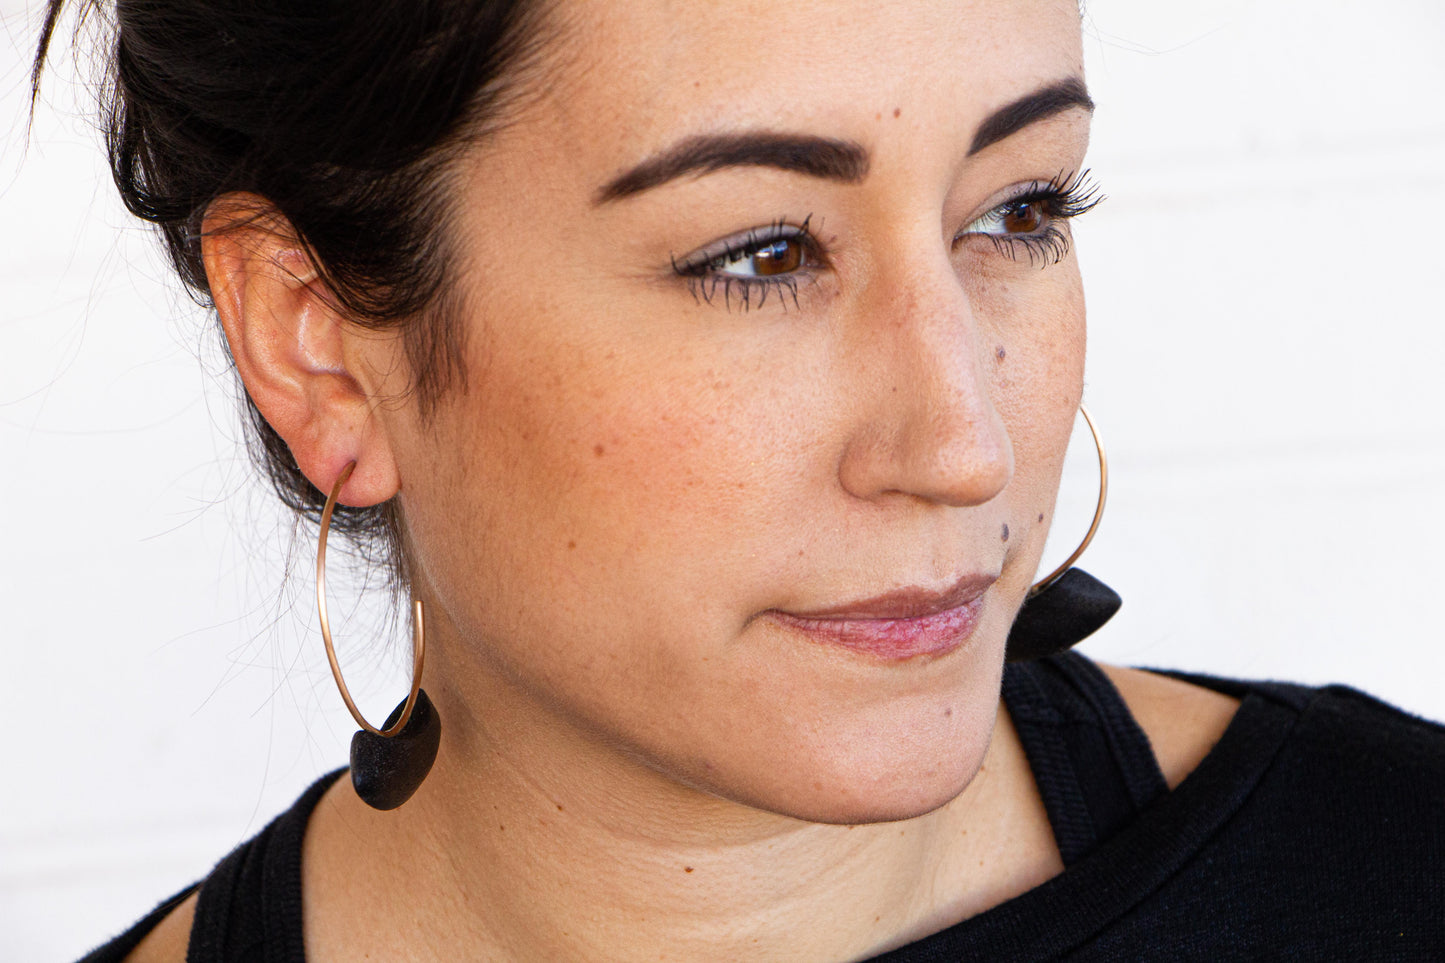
(618, 474)
(1031, 326)
(1038, 326)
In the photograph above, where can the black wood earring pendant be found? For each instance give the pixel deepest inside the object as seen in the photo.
(386, 770)
(387, 764)
(1064, 613)
(1067, 605)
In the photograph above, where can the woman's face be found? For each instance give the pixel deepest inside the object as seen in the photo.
(739, 420)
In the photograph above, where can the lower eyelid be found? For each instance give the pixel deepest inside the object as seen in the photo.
(1050, 245)
(743, 291)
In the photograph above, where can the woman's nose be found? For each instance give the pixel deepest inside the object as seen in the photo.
(927, 424)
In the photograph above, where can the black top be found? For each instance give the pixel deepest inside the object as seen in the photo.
(1314, 830)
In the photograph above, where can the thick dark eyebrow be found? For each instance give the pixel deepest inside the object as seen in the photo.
(1030, 109)
(835, 160)
(844, 161)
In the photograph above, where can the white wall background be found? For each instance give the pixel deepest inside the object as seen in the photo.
(1267, 362)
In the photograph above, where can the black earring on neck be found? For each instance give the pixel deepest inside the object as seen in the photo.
(387, 764)
(1068, 605)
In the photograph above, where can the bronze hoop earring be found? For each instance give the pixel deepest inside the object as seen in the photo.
(387, 764)
(1068, 605)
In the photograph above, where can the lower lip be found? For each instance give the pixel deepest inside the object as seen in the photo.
(893, 639)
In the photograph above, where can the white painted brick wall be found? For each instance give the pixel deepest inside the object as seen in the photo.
(1266, 363)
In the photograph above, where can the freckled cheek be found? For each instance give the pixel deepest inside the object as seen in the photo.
(628, 462)
(697, 468)
(1038, 324)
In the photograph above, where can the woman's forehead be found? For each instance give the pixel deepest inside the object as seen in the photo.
(632, 77)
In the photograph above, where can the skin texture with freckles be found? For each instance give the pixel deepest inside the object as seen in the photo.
(639, 759)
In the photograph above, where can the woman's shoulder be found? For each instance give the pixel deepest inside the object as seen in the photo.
(251, 897)
(1330, 786)
(1325, 733)
(162, 936)
(170, 939)
(1184, 721)
(1306, 817)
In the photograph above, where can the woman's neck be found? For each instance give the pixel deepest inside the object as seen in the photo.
(536, 842)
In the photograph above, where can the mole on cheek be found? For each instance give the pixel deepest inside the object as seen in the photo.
(598, 450)
(1000, 353)
(1005, 532)
(897, 111)
(1041, 518)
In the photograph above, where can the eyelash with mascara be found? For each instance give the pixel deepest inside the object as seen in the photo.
(707, 282)
(1064, 197)
(1051, 202)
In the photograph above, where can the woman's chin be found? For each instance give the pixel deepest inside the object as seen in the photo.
(875, 797)
(881, 774)
(889, 804)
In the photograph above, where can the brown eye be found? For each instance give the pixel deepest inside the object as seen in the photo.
(1024, 218)
(776, 257)
(778, 254)
(1034, 224)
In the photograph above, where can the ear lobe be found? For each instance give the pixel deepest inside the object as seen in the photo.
(288, 339)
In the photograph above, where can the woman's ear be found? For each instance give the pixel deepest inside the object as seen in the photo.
(306, 367)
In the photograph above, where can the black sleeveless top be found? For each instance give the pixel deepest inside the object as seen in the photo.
(1314, 830)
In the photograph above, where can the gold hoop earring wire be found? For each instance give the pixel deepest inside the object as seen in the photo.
(1057, 573)
(418, 642)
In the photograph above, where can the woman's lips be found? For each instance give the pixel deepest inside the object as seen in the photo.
(900, 624)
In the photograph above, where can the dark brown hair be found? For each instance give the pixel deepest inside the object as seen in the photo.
(344, 115)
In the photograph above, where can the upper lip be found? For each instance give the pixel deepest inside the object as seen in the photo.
(909, 602)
